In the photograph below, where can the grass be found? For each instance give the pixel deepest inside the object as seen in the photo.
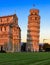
(41, 58)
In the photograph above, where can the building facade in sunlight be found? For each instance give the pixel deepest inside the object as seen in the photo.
(10, 34)
(33, 30)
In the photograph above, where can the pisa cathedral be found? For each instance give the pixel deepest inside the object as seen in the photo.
(10, 34)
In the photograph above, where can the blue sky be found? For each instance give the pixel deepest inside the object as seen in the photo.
(22, 8)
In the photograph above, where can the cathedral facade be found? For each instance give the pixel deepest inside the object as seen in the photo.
(10, 34)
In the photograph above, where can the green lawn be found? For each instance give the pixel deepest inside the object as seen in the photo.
(41, 58)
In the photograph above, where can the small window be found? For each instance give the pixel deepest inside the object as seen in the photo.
(5, 28)
(35, 13)
(1, 28)
(35, 18)
(1, 20)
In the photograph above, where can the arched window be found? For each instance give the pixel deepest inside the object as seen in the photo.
(1, 20)
(5, 28)
(35, 18)
(1, 28)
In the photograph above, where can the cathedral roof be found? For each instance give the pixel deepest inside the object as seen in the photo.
(7, 16)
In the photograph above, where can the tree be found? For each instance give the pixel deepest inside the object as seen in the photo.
(46, 46)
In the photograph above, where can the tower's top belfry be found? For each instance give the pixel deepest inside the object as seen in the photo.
(34, 11)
